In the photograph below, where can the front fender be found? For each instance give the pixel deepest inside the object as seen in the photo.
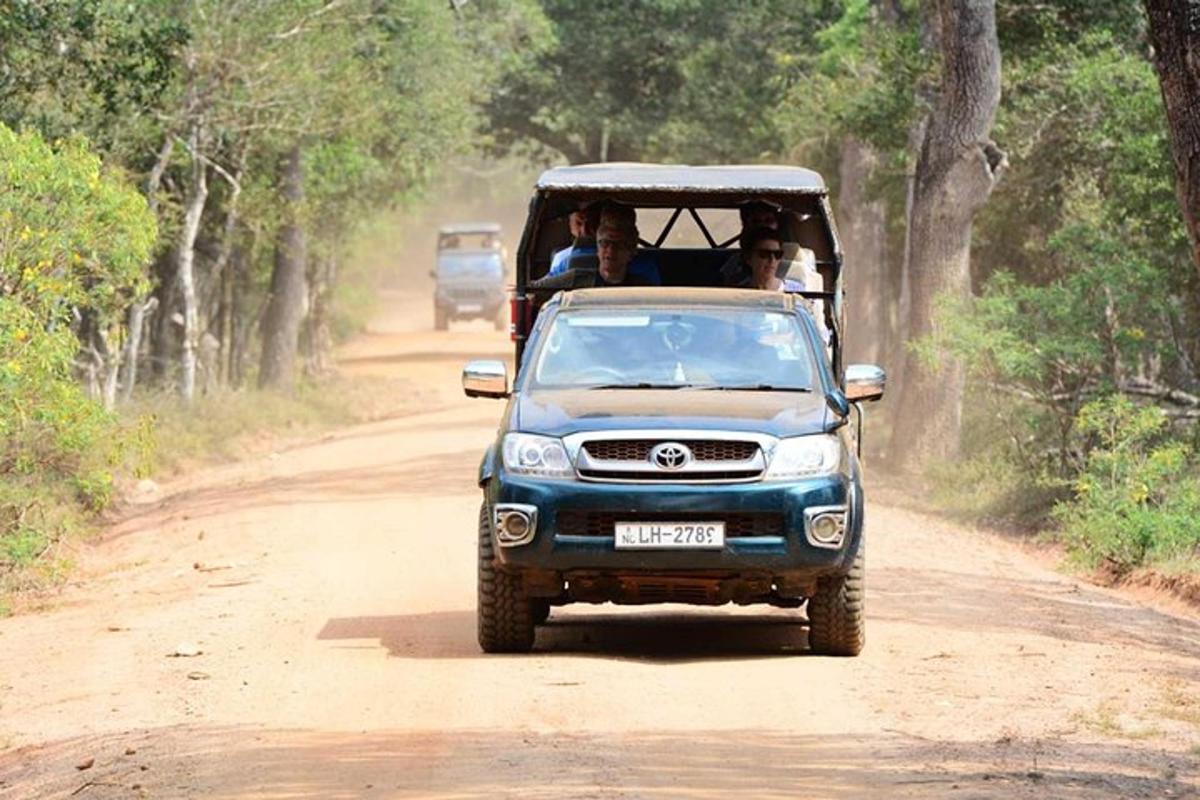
(487, 466)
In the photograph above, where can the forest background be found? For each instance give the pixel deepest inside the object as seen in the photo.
(185, 184)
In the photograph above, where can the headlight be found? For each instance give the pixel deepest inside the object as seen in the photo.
(805, 457)
(544, 456)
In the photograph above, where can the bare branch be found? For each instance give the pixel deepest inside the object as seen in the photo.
(300, 26)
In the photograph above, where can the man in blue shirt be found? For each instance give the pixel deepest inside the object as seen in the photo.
(583, 222)
(643, 265)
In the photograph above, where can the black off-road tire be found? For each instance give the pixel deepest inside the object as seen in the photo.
(836, 626)
(505, 613)
(440, 321)
(541, 610)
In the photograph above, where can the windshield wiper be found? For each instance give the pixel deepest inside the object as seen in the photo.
(747, 387)
(641, 385)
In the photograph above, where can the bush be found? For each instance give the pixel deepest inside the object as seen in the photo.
(1137, 501)
(74, 243)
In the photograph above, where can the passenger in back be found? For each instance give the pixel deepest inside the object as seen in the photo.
(642, 264)
(755, 214)
(761, 253)
(616, 243)
(582, 222)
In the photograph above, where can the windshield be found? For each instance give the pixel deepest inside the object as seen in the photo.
(470, 265)
(693, 349)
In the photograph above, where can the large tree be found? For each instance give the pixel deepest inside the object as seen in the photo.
(957, 168)
(1175, 34)
(689, 80)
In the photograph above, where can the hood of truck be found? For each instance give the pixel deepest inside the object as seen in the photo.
(562, 412)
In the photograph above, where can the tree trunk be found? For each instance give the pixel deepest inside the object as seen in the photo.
(1175, 34)
(926, 95)
(319, 344)
(285, 311)
(956, 170)
(186, 263)
(133, 346)
(863, 232)
(225, 315)
(112, 366)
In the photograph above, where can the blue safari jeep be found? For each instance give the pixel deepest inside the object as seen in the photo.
(469, 275)
(684, 443)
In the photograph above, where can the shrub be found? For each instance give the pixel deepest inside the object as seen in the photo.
(74, 242)
(1137, 500)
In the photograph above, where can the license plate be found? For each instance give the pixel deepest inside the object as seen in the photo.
(469, 308)
(670, 535)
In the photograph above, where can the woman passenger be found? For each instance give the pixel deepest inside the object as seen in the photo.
(762, 252)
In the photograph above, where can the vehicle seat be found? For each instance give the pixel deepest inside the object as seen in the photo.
(691, 266)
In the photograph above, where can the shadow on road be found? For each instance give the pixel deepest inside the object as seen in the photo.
(1056, 609)
(430, 476)
(215, 762)
(937, 600)
(666, 637)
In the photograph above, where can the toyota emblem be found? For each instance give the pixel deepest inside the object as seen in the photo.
(670, 455)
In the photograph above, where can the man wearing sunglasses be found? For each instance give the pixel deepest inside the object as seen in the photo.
(642, 264)
(616, 243)
(617, 260)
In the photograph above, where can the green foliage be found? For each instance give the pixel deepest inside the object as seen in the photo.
(1055, 343)
(73, 241)
(70, 236)
(1138, 497)
(690, 80)
(1083, 124)
(93, 67)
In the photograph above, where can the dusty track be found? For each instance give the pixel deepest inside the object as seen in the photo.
(334, 605)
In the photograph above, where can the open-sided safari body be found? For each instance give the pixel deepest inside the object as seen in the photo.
(469, 275)
(684, 443)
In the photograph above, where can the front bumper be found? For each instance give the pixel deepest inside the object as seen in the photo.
(470, 302)
(789, 553)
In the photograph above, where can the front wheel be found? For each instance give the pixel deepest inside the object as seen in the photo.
(505, 613)
(835, 612)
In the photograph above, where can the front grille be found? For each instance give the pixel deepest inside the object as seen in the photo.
(671, 477)
(738, 524)
(470, 293)
(702, 450)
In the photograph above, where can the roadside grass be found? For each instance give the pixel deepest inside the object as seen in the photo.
(231, 424)
(1179, 705)
(995, 491)
(52, 516)
(1122, 511)
(1106, 720)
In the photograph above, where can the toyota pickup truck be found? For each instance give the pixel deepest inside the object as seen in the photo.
(685, 443)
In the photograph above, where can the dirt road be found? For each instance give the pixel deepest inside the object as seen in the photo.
(329, 590)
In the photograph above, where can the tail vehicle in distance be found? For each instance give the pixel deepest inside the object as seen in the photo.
(469, 275)
(683, 443)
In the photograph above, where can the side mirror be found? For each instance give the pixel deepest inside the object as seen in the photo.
(864, 382)
(485, 379)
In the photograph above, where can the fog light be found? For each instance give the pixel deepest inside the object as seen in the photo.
(515, 523)
(825, 526)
